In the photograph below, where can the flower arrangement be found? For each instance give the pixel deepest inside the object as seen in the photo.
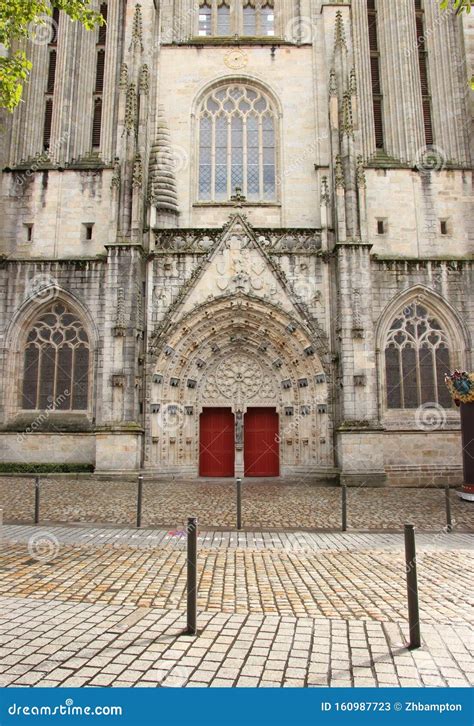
(461, 386)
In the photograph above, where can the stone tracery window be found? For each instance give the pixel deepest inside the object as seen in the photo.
(56, 362)
(416, 359)
(251, 18)
(237, 144)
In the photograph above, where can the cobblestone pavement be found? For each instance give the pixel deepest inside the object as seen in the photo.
(104, 606)
(266, 505)
(287, 580)
(59, 643)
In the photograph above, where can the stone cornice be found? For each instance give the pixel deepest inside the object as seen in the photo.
(4, 260)
(353, 243)
(233, 41)
(400, 263)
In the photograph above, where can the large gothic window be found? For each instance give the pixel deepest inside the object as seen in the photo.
(56, 362)
(254, 18)
(416, 359)
(237, 145)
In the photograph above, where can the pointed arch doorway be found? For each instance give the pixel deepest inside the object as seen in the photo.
(261, 442)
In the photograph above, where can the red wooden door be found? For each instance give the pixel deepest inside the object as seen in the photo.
(261, 449)
(217, 442)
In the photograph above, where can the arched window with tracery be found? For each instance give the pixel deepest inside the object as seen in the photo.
(237, 144)
(252, 18)
(416, 360)
(56, 366)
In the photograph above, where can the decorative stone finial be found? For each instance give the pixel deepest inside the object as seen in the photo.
(353, 83)
(137, 29)
(116, 177)
(144, 83)
(123, 83)
(120, 319)
(324, 194)
(338, 173)
(339, 35)
(360, 172)
(332, 83)
(347, 122)
(137, 177)
(131, 109)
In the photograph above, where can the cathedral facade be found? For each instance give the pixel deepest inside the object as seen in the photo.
(236, 241)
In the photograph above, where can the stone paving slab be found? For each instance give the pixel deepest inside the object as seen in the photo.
(361, 584)
(290, 541)
(298, 505)
(55, 643)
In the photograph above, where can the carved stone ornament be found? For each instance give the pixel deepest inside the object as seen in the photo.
(360, 172)
(131, 109)
(118, 380)
(339, 34)
(338, 173)
(137, 29)
(115, 182)
(239, 378)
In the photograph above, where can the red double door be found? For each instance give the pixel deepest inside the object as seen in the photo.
(217, 447)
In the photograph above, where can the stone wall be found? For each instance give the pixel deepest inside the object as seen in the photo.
(119, 233)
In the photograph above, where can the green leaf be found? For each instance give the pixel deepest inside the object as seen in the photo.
(18, 19)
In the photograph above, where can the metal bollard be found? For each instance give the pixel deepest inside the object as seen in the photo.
(344, 507)
(139, 500)
(449, 523)
(239, 503)
(412, 587)
(192, 576)
(37, 499)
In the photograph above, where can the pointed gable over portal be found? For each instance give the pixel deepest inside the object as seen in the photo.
(238, 265)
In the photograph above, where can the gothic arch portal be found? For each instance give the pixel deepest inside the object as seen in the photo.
(238, 351)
